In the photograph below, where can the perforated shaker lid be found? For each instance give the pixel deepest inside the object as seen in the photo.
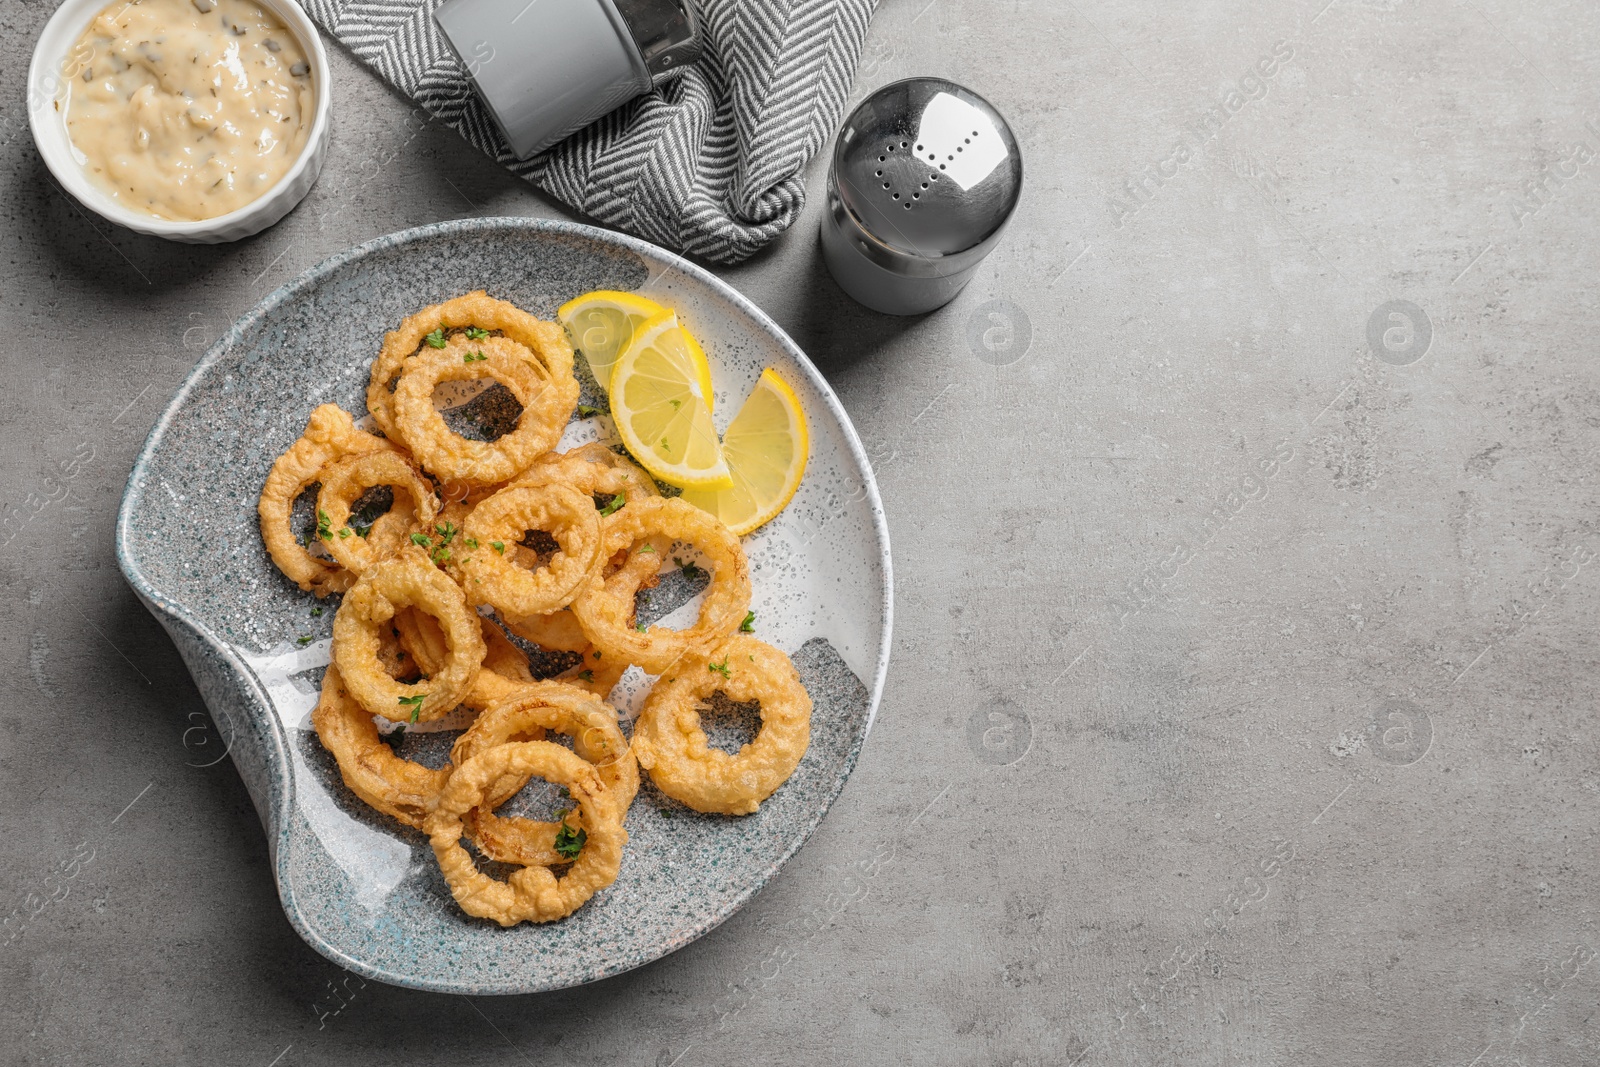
(928, 167)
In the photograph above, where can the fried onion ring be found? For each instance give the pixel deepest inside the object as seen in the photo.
(533, 709)
(546, 406)
(597, 470)
(546, 341)
(368, 765)
(505, 667)
(342, 485)
(407, 579)
(531, 893)
(669, 743)
(330, 435)
(566, 514)
(604, 609)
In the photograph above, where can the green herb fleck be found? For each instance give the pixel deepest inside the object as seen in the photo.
(303, 641)
(476, 333)
(471, 542)
(324, 526)
(641, 627)
(587, 676)
(344, 531)
(720, 668)
(447, 532)
(362, 531)
(570, 843)
(676, 404)
(615, 505)
(316, 613)
(647, 548)
(436, 338)
(587, 412)
(664, 446)
(416, 704)
(498, 546)
(421, 539)
(749, 624)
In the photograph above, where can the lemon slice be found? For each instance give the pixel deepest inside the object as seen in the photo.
(766, 447)
(659, 401)
(600, 325)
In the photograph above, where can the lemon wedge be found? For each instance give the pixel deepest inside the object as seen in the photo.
(766, 448)
(601, 323)
(660, 401)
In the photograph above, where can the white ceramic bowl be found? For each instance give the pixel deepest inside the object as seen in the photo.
(48, 120)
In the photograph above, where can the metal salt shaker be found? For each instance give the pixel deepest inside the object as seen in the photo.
(925, 176)
(547, 68)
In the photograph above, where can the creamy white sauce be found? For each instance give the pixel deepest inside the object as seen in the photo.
(188, 109)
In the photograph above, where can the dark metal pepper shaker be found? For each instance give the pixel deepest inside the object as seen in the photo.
(925, 176)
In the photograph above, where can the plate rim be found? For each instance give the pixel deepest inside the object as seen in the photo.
(166, 608)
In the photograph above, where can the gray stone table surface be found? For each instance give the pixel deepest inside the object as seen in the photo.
(1242, 705)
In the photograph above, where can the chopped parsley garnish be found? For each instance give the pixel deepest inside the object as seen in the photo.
(303, 641)
(316, 613)
(690, 571)
(647, 548)
(324, 526)
(587, 412)
(498, 546)
(615, 505)
(436, 338)
(362, 531)
(749, 624)
(587, 676)
(569, 842)
(421, 539)
(476, 333)
(473, 357)
(597, 655)
(720, 668)
(676, 404)
(416, 704)
(471, 542)
(344, 531)
(664, 446)
(447, 533)
(641, 626)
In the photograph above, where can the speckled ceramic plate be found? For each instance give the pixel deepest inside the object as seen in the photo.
(361, 889)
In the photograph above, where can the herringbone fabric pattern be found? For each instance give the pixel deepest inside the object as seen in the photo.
(709, 163)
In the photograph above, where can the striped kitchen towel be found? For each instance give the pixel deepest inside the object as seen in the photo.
(710, 162)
